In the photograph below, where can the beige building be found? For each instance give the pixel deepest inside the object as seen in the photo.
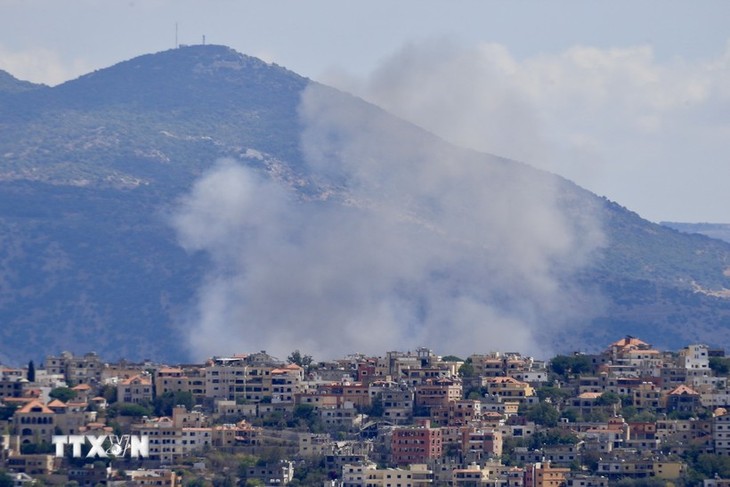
(76, 370)
(34, 423)
(510, 388)
(369, 475)
(135, 390)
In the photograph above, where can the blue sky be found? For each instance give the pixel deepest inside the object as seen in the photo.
(628, 99)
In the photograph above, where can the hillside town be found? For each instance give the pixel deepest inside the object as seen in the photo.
(630, 415)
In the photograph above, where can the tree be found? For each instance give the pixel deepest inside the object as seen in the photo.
(452, 358)
(306, 415)
(31, 371)
(63, 394)
(129, 409)
(608, 399)
(376, 409)
(467, 369)
(6, 480)
(6, 412)
(556, 395)
(543, 413)
(551, 437)
(571, 414)
(720, 365)
(165, 403)
(711, 465)
(109, 393)
(565, 365)
(297, 358)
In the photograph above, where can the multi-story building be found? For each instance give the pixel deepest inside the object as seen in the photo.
(478, 444)
(285, 383)
(695, 357)
(76, 370)
(171, 438)
(14, 387)
(648, 397)
(34, 423)
(510, 388)
(274, 473)
(416, 444)
(369, 475)
(135, 390)
(246, 377)
(683, 399)
(396, 399)
(438, 392)
(721, 434)
(171, 379)
(544, 475)
(70, 418)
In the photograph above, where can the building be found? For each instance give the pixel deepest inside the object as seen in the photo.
(76, 370)
(695, 357)
(510, 388)
(416, 444)
(544, 475)
(275, 473)
(135, 390)
(34, 423)
(437, 393)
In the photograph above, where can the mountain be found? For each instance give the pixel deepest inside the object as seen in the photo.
(93, 168)
(720, 231)
(11, 84)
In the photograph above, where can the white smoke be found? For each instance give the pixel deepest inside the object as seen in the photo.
(419, 243)
(644, 131)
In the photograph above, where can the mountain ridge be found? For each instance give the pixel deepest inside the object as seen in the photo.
(91, 168)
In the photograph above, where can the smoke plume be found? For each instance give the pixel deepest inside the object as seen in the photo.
(408, 241)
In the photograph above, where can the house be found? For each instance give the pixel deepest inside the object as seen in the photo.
(683, 399)
(135, 390)
(273, 473)
(153, 477)
(510, 388)
(34, 423)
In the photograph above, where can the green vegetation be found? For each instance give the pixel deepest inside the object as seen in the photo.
(64, 394)
(467, 369)
(543, 413)
(127, 409)
(163, 404)
(303, 361)
(5, 479)
(31, 371)
(565, 366)
(720, 365)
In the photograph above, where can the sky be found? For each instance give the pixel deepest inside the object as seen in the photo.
(630, 100)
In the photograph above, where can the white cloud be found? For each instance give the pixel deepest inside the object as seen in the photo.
(614, 120)
(40, 65)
